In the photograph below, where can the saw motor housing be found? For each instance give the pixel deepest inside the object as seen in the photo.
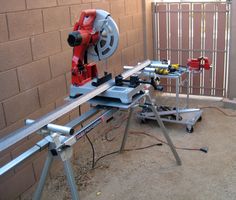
(81, 38)
(95, 36)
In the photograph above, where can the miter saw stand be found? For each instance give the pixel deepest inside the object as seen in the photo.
(61, 144)
(95, 37)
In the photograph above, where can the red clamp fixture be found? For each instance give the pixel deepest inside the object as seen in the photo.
(199, 63)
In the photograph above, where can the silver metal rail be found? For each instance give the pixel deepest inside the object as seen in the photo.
(43, 121)
(44, 143)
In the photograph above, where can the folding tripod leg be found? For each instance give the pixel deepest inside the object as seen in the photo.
(43, 177)
(164, 131)
(71, 180)
(126, 130)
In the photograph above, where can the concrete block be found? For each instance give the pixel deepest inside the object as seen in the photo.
(9, 129)
(2, 118)
(22, 148)
(33, 74)
(42, 111)
(63, 120)
(61, 63)
(76, 11)
(60, 101)
(11, 5)
(45, 44)
(26, 23)
(64, 35)
(125, 23)
(38, 163)
(117, 7)
(132, 37)
(139, 52)
(140, 6)
(122, 41)
(52, 90)
(114, 63)
(56, 18)
(21, 105)
(68, 81)
(68, 2)
(31, 4)
(8, 84)
(28, 194)
(104, 5)
(4, 29)
(11, 188)
(4, 159)
(137, 21)
(128, 56)
(131, 6)
(14, 53)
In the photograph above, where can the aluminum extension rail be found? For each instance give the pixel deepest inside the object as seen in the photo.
(20, 134)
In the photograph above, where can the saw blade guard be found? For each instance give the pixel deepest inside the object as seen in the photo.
(108, 37)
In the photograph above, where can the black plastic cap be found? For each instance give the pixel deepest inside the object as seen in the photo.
(74, 38)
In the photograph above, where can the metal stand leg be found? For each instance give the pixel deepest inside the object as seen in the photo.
(165, 133)
(43, 177)
(69, 175)
(177, 99)
(71, 180)
(126, 130)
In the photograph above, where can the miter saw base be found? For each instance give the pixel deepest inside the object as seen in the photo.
(124, 93)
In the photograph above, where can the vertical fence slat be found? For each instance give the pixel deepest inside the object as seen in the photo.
(220, 46)
(196, 43)
(162, 30)
(185, 37)
(163, 36)
(209, 17)
(174, 38)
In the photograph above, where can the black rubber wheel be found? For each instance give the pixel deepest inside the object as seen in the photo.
(199, 119)
(189, 130)
(143, 121)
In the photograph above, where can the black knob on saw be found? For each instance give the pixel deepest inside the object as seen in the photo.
(74, 38)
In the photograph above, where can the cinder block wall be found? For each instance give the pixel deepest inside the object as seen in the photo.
(35, 68)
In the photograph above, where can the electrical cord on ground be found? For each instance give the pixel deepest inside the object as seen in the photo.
(94, 162)
(203, 149)
(132, 149)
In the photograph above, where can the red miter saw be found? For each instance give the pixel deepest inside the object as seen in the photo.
(95, 37)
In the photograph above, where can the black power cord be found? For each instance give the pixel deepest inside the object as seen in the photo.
(94, 162)
(133, 149)
(90, 142)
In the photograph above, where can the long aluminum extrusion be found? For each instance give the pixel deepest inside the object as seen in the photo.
(20, 134)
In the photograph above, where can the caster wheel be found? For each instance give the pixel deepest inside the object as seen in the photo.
(143, 121)
(189, 129)
(199, 119)
(180, 118)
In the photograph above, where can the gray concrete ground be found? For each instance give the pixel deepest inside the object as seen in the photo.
(152, 173)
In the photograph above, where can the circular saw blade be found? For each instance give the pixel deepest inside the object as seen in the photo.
(108, 37)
